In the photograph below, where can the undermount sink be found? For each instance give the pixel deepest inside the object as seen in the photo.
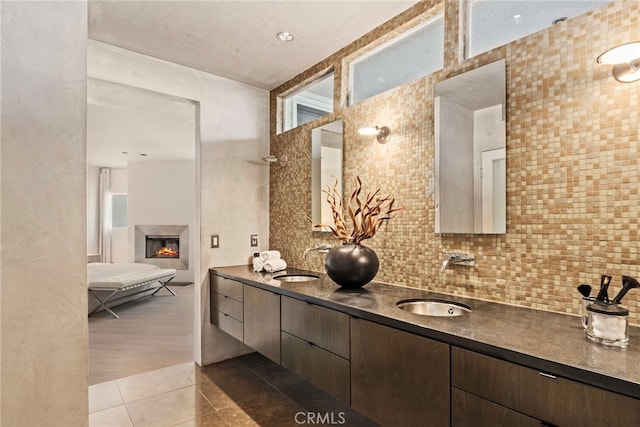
(433, 307)
(296, 277)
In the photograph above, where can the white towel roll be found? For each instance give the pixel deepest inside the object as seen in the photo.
(269, 255)
(274, 265)
(258, 265)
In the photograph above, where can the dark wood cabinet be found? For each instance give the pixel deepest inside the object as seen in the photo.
(226, 304)
(315, 346)
(262, 321)
(468, 410)
(224, 286)
(316, 365)
(397, 378)
(539, 395)
(328, 329)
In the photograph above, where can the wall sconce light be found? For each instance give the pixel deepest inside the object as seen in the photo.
(625, 60)
(382, 133)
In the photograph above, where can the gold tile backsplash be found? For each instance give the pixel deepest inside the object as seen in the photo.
(573, 198)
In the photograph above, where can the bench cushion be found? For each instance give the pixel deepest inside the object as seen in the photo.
(120, 276)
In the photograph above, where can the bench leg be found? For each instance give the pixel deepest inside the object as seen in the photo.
(103, 303)
(164, 285)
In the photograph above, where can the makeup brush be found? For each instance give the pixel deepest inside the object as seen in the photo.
(627, 283)
(585, 290)
(604, 286)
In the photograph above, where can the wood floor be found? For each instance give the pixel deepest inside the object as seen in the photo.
(151, 333)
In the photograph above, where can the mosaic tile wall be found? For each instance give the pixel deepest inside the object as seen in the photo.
(573, 198)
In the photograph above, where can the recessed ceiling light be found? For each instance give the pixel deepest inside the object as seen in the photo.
(285, 36)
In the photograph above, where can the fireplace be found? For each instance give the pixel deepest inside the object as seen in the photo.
(166, 246)
(162, 247)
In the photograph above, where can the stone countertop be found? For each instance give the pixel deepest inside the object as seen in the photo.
(551, 342)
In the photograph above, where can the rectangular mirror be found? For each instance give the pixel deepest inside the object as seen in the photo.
(470, 161)
(326, 167)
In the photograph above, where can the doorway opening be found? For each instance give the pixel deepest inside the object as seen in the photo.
(135, 133)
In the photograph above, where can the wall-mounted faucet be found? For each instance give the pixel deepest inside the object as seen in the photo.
(457, 259)
(323, 247)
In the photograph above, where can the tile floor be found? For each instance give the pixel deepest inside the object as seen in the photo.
(246, 391)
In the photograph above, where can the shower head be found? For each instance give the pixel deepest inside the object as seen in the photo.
(282, 160)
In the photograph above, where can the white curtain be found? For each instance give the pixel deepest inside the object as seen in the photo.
(105, 215)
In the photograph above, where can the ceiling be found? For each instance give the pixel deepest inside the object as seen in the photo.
(237, 39)
(128, 124)
(233, 39)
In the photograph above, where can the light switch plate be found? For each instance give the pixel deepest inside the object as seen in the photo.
(254, 240)
(215, 241)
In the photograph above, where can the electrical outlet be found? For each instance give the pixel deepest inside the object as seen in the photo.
(215, 241)
(254, 240)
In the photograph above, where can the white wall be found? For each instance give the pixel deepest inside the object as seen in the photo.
(43, 200)
(119, 180)
(231, 180)
(163, 193)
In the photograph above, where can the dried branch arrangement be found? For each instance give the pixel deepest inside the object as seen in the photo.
(367, 214)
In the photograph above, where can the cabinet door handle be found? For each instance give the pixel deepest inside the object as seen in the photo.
(311, 344)
(544, 374)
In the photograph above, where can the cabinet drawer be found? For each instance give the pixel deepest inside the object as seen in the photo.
(321, 326)
(228, 324)
(553, 400)
(516, 387)
(262, 322)
(321, 368)
(468, 410)
(227, 305)
(227, 287)
(397, 378)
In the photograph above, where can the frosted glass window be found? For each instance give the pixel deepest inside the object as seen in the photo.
(119, 211)
(415, 54)
(493, 23)
(308, 103)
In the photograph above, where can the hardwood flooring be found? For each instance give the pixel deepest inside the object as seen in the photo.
(151, 333)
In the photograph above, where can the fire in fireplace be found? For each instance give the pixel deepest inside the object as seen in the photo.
(162, 246)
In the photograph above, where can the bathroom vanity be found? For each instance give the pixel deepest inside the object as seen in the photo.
(495, 365)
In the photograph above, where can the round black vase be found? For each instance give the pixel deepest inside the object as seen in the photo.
(351, 265)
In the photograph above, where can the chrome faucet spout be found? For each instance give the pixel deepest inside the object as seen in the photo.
(457, 259)
(445, 263)
(324, 247)
(447, 260)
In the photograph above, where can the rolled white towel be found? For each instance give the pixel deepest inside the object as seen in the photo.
(274, 265)
(258, 265)
(269, 255)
